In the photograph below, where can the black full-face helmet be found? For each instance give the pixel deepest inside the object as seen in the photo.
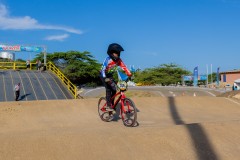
(114, 48)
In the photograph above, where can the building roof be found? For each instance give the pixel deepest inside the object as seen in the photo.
(232, 71)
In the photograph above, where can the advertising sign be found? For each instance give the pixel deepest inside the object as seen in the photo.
(195, 76)
(9, 48)
(19, 48)
(191, 78)
(218, 76)
(203, 77)
(187, 78)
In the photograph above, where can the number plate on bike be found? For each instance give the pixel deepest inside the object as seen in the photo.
(122, 85)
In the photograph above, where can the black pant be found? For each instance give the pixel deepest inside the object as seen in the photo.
(17, 95)
(110, 90)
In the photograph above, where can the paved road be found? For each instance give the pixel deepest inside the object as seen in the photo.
(158, 91)
(176, 128)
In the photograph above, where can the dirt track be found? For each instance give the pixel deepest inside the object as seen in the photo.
(194, 128)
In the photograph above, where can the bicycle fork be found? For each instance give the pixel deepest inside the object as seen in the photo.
(122, 110)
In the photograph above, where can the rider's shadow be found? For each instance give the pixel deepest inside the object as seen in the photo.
(117, 115)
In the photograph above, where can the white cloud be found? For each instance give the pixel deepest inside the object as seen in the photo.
(57, 37)
(25, 23)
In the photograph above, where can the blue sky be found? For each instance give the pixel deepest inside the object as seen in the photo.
(152, 32)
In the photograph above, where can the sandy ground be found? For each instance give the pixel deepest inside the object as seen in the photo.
(182, 128)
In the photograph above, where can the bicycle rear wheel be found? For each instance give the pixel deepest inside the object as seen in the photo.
(129, 113)
(103, 113)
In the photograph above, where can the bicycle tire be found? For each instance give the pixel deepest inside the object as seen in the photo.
(129, 116)
(103, 114)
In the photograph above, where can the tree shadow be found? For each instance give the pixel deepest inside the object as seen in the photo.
(200, 141)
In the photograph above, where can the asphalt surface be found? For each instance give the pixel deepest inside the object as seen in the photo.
(162, 91)
(34, 86)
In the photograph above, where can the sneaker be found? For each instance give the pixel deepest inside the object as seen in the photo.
(109, 108)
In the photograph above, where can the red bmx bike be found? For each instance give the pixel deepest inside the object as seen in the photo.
(128, 111)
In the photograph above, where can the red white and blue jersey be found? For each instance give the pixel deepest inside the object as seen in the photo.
(109, 67)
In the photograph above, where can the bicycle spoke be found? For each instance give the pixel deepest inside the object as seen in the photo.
(103, 113)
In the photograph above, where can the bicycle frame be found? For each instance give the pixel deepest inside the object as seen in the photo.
(120, 98)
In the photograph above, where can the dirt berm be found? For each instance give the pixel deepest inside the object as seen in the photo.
(181, 128)
(231, 94)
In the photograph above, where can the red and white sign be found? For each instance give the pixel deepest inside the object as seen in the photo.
(10, 48)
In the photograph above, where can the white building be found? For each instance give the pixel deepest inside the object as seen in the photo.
(7, 55)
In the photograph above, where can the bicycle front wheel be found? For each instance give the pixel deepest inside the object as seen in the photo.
(104, 115)
(129, 113)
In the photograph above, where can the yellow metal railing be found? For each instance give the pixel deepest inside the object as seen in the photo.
(71, 87)
(15, 65)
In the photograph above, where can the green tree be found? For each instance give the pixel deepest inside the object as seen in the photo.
(212, 78)
(79, 67)
(20, 60)
(164, 74)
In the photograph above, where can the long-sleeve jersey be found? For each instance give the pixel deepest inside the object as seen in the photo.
(109, 66)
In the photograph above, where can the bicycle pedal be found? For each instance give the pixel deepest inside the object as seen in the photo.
(112, 112)
(109, 109)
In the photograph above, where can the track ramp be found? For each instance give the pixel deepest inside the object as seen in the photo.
(35, 85)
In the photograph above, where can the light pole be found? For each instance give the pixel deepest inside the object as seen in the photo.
(207, 75)
(211, 75)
